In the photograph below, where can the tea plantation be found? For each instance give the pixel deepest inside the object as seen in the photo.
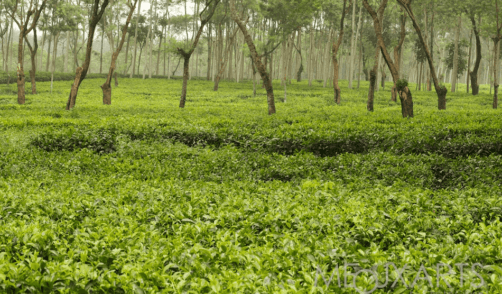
(144, 197)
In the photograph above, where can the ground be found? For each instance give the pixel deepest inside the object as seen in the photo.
(144, 197)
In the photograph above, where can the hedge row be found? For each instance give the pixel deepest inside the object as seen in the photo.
(449, 144)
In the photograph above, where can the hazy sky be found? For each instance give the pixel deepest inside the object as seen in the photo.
(173, 9)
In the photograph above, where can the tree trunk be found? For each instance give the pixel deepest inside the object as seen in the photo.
(82, 71)
(48, 54)
(311, 56)
(398, 53)
(223, 66)
(469, 62)
(106, 87)
(406, 102)
(352, 44)
(185, 81)
(334, 51)
(187, 55)
(135, 41)
(371, 92)
(101, 52)
(474, 73)
(54, 57)
(404, 92)
(33, 55)
(496, 53)
(256, 59)
(127, 54)
(440, 91)
(20, 71)
(455, 57)
(373, 80)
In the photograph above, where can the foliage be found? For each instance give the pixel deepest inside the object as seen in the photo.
(462, 56)
(219, 197)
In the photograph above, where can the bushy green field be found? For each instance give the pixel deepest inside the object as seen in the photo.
(219, 197)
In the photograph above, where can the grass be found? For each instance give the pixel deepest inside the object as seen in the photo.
(219, 197)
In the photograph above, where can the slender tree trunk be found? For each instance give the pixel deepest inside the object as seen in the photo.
(48, 54)
(101, 52)
(397, 53)
(55, 55)
(67, 52)
(135, 41)
(352, 44)
(127, 53)
(440, 91)
(311, 56)
(469, 62)
(334, 52)
(256, 59)
(475, 71)
(82, 71)
(373, 80)
(106, 87)
(186, 55)
(33, 57)
(496, 53)
(455, 56)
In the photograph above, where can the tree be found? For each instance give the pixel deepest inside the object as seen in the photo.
(334, 52)
(440, 90)
(255, 58)
(186, 52)
(22, 15)
(106, 87)
(402, 85)
(496, 53)
(456, 51)
(96, 14)
(474, 73)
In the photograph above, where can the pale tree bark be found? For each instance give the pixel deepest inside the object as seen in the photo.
(440, 91)
(469, 62)
(54, 56)
(352, 44)
(106, 87)
(311, 56)
(135, 41)
(209, 52)
(496, 54)
(150, 66)
(230, 41)
(334, 52)
(22, 19)
(397, 53)
(97, 13)
(33, 55)
(148, 44)
(286, 62)
(455, 56)
(256, 58)
(374, 73)
(187, 54)
(475, 71)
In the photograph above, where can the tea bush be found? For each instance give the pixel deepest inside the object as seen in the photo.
(143, 197)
